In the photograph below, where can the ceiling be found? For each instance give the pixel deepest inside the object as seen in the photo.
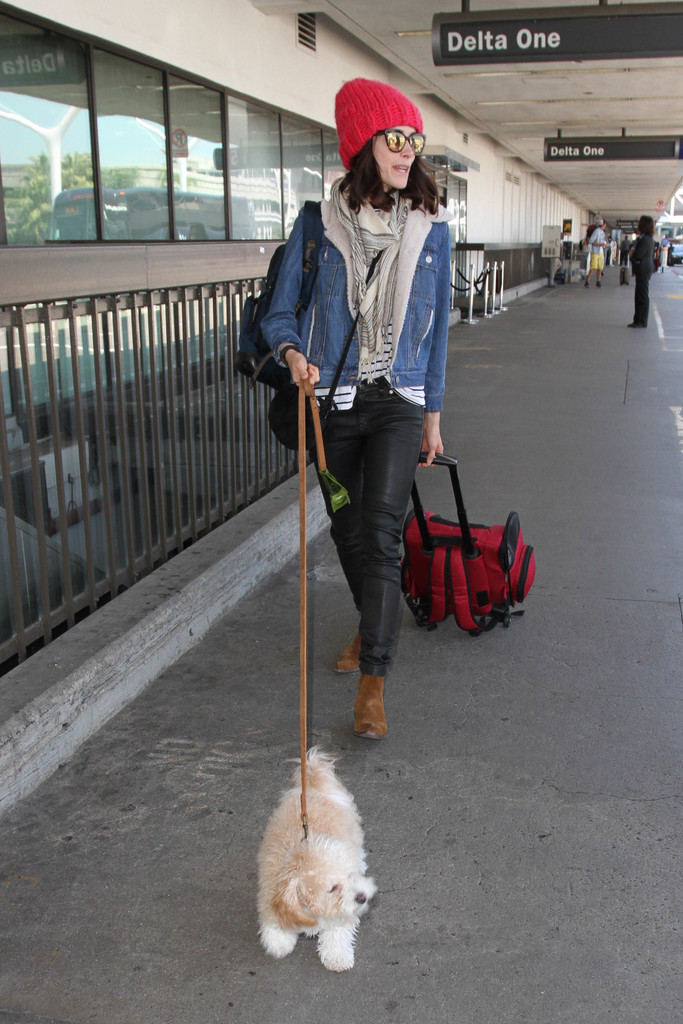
(519, 105)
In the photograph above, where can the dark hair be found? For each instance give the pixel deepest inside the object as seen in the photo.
(362, 184)
(646, 225)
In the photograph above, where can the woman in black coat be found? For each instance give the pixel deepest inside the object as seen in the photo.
(642, 260)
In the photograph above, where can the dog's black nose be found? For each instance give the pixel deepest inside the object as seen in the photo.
(361, 898)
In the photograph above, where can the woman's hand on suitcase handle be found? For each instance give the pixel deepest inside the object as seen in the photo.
(431, 437)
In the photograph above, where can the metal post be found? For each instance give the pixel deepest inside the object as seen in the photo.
(501, 307)
(486, 293)
(471, 318)
(493, 290)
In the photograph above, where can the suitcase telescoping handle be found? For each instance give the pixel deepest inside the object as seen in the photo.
(467, 543)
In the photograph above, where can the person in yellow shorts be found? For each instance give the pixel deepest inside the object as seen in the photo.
(596, 246)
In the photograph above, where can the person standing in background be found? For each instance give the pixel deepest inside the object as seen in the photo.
(624, 265)
(642, 260)
(596, 248)
(664, 252)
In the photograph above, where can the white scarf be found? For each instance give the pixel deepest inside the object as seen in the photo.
(369, 233)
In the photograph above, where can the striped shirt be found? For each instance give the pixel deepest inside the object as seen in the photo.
(380, 367)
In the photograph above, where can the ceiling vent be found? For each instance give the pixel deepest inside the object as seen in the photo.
(465, 138)
(305, 31)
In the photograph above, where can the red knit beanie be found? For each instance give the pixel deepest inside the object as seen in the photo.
(363, 108)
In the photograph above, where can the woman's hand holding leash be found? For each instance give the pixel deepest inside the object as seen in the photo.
(300, 368)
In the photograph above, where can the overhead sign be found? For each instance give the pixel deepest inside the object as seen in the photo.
(179, 143)
(551, 34)
(615, 148)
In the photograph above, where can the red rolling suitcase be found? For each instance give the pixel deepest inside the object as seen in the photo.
(475, 573)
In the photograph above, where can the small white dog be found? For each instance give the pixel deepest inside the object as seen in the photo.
(315, 885)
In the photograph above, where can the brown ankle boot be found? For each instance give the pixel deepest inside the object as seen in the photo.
(348, 659)
(370, 721)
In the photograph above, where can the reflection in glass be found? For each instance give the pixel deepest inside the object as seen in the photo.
(196, 148)
(303, 167)
(132, 148)
(45, 132)
(334, 168)
(255, 178)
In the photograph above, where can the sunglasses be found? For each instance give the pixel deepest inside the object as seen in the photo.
(396, 140)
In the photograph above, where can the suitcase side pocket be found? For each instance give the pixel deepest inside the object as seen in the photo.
(527, 573)
(510, 542)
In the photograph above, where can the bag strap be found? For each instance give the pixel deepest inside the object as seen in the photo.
(311, 240)
(327, 401)
(437, 583)
(427, 542)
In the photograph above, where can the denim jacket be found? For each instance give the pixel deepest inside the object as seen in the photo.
(420, 308)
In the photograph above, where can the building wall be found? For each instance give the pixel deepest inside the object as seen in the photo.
(230, 43)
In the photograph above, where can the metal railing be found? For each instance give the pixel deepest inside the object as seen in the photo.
(125, 435)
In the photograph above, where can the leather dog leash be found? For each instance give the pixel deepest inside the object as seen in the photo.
(305, 391)
(302, 602)
(338, 496)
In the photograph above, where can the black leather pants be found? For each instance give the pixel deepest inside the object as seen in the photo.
(372, 449)
(642, 299)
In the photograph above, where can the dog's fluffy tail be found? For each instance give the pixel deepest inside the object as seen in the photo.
(317, 760)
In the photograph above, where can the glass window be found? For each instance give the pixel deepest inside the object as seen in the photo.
(132, 147)
(302, 171)
(456, 204)
(255, 177)
(45, 144)
(196, 149)
(334, 168)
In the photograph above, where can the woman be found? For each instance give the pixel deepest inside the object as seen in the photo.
(390, 393)
(642, 260)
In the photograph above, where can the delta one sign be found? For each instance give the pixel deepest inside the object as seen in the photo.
(596, 33)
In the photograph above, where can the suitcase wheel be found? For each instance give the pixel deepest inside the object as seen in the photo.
(420, 609)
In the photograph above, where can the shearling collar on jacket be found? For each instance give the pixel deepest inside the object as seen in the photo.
(417, 227)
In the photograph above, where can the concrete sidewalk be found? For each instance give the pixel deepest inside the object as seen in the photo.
(523, 817)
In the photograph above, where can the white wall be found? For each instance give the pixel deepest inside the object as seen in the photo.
(232, 44)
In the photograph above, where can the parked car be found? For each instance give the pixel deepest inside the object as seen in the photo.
(676, 253)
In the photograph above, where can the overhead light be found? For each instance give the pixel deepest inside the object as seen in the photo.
(530, 124)
(413, 32)
(557, 72)
(479, 74)
(563, 99)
